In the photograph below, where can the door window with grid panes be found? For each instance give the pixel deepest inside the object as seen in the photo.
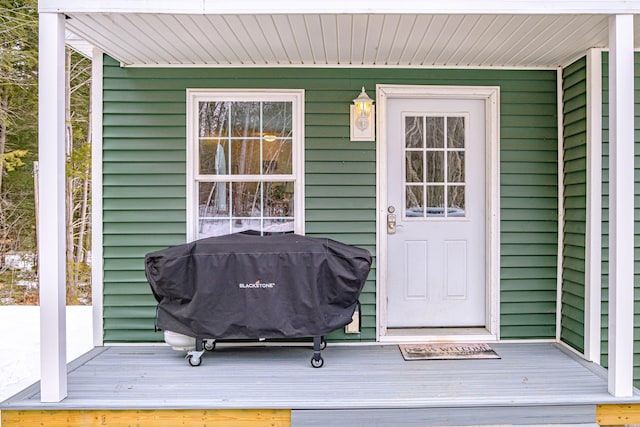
(245, 167)
(434, 166)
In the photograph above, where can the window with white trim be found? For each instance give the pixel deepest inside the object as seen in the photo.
(244, 162)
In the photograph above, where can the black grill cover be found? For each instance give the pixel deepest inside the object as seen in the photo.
(244, 286)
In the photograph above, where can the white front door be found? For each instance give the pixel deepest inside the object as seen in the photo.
(436, 193)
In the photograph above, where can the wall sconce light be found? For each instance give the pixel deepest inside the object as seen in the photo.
(362, 122)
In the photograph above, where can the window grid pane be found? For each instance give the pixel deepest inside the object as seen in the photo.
(256, 138)
(435, 157)
(414, 132)
(414, 201)
(261, 206)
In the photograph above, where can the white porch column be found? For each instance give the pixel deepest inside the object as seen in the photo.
(97, 262)
(621, 171)
(593, 275)
(51, 217)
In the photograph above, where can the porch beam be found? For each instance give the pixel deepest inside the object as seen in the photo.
(537, 7)
(51, 215)
(621, 205)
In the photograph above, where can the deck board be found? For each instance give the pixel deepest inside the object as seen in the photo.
(353, 377)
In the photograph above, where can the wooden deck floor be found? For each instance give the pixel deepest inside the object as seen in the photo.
(355, 380)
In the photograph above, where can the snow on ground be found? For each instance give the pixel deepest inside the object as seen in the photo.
(20, 343)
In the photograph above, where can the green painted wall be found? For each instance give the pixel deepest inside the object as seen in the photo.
(605, 215)
(574, 87)
(144, 179)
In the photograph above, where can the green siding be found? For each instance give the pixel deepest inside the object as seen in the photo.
(605, 217)
(574, 97)
(144, 179)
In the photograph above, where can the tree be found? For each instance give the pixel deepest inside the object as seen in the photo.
(18, 77)
(18, 123)
(18, 145)
(78, 221)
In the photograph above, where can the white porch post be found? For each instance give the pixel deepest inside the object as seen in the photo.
(621, 171)
(593, 276)
(97, 263)
(51, 233)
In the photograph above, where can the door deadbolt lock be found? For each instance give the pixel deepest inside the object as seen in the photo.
(391, 222)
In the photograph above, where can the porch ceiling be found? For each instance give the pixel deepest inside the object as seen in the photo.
(336, 39)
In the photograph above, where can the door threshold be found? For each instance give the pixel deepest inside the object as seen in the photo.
(423, 335)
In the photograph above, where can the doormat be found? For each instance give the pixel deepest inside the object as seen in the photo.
(448, 351)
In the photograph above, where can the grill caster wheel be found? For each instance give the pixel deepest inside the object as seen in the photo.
(323, 344)
(209, 345)
(317, 363)
(194, 361)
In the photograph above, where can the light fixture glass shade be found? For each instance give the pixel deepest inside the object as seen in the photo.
(363, 106)
(362, 115)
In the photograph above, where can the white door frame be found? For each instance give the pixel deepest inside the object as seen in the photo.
(491, 97)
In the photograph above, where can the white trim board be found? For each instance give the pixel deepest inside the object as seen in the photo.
(560, 249)
(462, 337)
(338, 6)
(491, 96)
(97, 249)
(345, 66)
(593, 237)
